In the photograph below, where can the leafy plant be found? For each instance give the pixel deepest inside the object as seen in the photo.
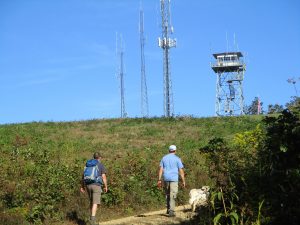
(280, 160)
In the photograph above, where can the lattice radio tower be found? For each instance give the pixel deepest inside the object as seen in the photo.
(230, 70)
(120, 72)
(144, 95)
(165, 42)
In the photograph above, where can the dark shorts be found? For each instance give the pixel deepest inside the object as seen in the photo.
(94, 192)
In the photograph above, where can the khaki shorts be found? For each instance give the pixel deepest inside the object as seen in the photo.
(94, 192)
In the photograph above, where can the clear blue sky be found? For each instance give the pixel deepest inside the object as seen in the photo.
(58, 62)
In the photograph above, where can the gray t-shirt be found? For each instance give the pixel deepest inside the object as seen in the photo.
(101, 168)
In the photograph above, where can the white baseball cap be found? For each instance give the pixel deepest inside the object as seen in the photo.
(172, 148)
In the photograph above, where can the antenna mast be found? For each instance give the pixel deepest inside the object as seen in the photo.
(120, 72)
(165, 42)
(144, 95)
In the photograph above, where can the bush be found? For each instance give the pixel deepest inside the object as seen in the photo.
(280, 160)
(257, 176)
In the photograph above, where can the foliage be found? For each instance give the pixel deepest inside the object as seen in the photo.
(223, 207)
(257, 176)
(41, 185)
(272, 109)
(294, 104)
(233, 199)
(280, 160)
(248, 139)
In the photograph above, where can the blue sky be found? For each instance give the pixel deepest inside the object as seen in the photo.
(58, 61)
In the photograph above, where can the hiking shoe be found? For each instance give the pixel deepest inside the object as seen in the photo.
(171, 214)
(93, 222)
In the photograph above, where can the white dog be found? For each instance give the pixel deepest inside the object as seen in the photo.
(199, 197)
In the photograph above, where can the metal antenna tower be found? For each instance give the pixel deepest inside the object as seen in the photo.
(120, 72)
(144, 95)
(230, 70)
(165, 42)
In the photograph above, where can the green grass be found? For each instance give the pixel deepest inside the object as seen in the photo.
(37, 160)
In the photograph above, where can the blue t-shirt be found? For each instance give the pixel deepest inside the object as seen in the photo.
(171, 164)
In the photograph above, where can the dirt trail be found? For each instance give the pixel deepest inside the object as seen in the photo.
(183, 214)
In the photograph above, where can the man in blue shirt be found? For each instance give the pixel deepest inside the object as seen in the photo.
(170, 167)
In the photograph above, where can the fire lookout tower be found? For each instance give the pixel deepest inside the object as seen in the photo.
(230, 70)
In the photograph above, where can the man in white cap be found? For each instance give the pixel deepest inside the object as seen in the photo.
(170, 168)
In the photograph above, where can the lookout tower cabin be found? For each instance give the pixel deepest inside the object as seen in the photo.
(230, 70)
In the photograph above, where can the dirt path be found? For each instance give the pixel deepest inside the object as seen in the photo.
(183, 214)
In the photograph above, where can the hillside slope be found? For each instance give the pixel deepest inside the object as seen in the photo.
(48, 158)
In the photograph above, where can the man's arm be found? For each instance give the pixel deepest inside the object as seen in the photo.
(82, 189)
(104, 181)
(160, 172)
(181, 172)
(103, 175)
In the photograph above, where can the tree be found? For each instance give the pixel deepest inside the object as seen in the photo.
(294, 103)
(255, 107)
(275, 108)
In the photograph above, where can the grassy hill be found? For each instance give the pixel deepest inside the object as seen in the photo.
(41, 164)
